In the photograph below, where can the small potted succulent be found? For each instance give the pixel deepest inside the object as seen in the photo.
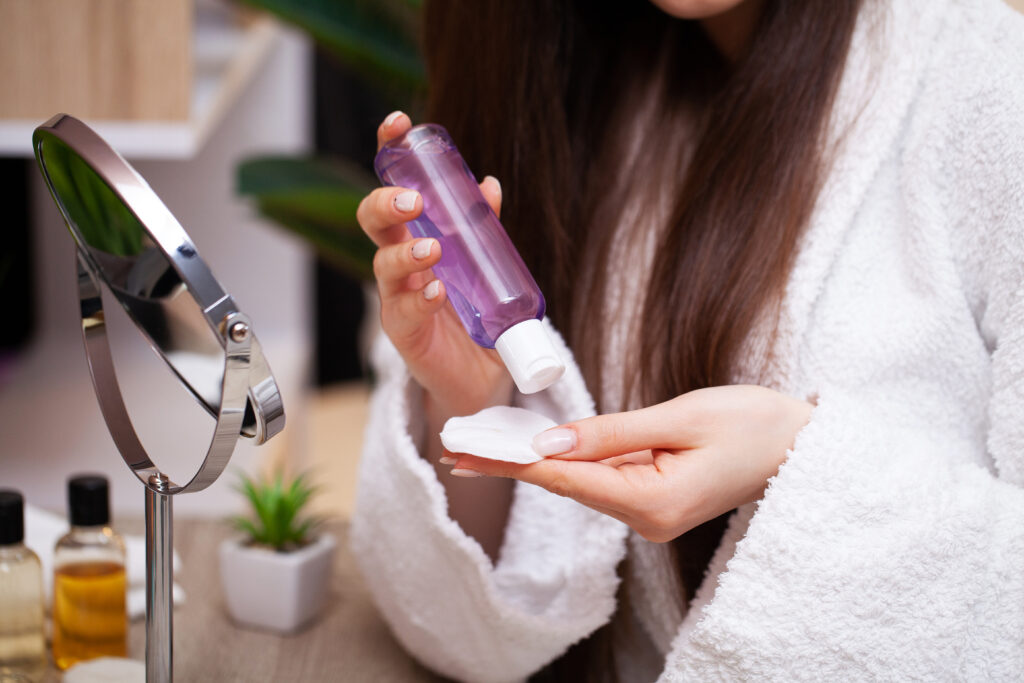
(276, 575)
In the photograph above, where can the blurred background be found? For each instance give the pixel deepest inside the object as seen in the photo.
(255, 123)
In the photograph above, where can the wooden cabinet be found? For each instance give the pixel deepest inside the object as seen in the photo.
(101, 59)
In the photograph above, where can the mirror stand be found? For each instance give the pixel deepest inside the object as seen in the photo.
(159, 582)
(159, 489)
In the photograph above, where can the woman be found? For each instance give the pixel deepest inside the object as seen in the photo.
(793, 231)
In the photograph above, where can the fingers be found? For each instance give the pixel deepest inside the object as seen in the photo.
(382, 213)
(403, 315)
(491, 189)
(408, 292)
(393, 264)
(637, 458)
(635, 494)
(394, 125)
(666, 425)
(591, 483)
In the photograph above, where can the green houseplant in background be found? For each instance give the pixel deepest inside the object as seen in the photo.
(276, 577)
(316, 198)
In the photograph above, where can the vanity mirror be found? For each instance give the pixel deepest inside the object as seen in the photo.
(131, 244)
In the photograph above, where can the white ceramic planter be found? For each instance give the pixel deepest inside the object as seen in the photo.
(276, 591)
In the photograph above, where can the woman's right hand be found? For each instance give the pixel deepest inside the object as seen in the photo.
(458, 376)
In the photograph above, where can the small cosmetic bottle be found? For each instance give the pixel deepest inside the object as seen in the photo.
(89, 616)
(22, 643)
(487, 282)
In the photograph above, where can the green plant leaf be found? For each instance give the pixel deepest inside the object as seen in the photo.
(350, 253)
(277, 174)
(377, 38)
(306, 527)
(317, 200)
(277, 505)
(300, 491)
(247, 527)
(98, 213)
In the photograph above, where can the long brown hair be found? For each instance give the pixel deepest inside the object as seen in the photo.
(584, 108)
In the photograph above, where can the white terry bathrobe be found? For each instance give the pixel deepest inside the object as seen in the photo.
(891, 543)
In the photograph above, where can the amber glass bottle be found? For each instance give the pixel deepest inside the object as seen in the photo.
(89, 617)
(22, 647)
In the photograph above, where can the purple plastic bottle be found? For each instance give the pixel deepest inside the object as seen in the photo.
(487, 282)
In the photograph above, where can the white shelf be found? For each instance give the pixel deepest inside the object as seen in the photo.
(225, 58)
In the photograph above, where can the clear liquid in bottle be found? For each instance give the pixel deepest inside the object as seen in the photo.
(22, 645)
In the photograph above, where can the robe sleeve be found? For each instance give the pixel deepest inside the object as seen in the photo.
(445, 601)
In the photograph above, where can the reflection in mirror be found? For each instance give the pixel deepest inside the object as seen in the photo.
(97, 216)
(144, 281)
(172, 426)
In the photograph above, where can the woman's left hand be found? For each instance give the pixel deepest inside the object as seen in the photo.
(668, 468)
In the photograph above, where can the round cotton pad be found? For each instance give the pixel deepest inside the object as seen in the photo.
(497, 433)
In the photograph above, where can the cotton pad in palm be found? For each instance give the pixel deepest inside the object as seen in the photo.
(497, 433)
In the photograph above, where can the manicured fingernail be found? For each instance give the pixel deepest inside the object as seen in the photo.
(445, 460)
(463, 472)
(421, 249)
(554, 441)
(391, 118)
(406, 201)
(496, 182)
(431, 291)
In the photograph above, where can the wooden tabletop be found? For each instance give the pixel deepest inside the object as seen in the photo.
(348, 642)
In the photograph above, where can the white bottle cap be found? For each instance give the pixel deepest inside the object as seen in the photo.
(530, 356)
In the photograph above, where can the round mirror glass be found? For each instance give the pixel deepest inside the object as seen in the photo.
(131, 242)
(139, 275)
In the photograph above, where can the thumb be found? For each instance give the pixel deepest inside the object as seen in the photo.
(606, 436)
(491, 190)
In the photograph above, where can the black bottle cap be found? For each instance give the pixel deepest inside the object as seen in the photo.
(12, 517)
(88, 500)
